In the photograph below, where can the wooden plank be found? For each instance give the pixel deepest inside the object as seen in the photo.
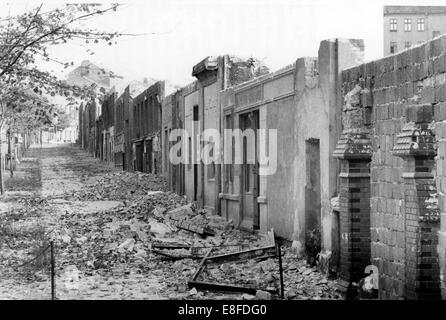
(202, 265)
(243, 255)
(227, 287)
(176, 257)
(204, 231)
(257, 253)
(259, 258)
(171, 246)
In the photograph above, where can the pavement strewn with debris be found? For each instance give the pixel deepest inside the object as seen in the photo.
(112, 230)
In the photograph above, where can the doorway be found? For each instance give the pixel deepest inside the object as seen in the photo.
(249, 123)
(312, 199)
(196, 128)
(139, 156)
(148, 156)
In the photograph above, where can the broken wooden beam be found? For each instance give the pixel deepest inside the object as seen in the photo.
(227, 287)
(267, 251)
(257, 253)
(176, 257)
(204, 231)
(201, 266)
(171, 246)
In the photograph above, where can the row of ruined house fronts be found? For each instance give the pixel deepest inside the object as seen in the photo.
(360, 171)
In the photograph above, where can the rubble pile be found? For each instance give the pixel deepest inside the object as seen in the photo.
(263, 274)
(120, 185)
(301, 281)
(124, 225)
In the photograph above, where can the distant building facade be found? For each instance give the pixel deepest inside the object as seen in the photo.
(406, 26)
(88, 73)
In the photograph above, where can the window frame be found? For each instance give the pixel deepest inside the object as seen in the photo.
(421, 27)
(407, 24)
(393, 25)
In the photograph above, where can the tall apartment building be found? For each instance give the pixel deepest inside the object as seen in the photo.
(406, 26)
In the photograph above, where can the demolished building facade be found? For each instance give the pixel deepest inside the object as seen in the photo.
(360, 156)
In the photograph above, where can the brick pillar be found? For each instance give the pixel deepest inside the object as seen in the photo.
(422, 272)
(353, 149)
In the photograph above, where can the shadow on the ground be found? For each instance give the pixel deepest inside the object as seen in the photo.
(27, 176)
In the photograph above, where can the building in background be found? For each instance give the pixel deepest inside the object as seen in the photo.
(108, 120)
(406, 26)
(88, 73)
(146, 129)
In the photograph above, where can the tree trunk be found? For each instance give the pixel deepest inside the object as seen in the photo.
(2, 185)
(11, 172)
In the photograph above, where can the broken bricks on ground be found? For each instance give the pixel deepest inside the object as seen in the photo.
(122, 224)
(159, 231)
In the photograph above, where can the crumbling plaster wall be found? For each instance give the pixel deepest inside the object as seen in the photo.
(190, 96)
(319, 116)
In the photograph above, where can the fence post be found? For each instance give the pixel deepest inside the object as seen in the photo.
(280, 270)
(53, 280)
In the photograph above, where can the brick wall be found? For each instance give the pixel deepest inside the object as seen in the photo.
(147, 111)
(401, 98)
(108, 110)
(355, 218)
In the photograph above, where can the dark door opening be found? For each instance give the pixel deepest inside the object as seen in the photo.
(250, 217)
(312, 200)
(195, 181)
(139, 156)
(148, 156)
(196, 128)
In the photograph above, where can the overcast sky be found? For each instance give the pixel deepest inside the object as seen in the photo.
(186, 31)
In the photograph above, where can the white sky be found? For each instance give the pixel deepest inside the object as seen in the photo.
(277, 31)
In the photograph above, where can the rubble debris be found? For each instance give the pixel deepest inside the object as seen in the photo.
(257, 253)
(128, 245)
(203, 231)
(113, 244)
(263, 295)
(151, 193)
(170, 246)
(193, 291)
(245, 255)
(290, 294)
(158, 212)
(296, 247)
(184, 254)
(181, 212)
(159, 229)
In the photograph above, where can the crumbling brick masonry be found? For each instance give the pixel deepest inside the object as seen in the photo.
(394, 125)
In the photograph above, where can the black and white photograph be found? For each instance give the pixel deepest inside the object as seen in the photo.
(253, 152)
